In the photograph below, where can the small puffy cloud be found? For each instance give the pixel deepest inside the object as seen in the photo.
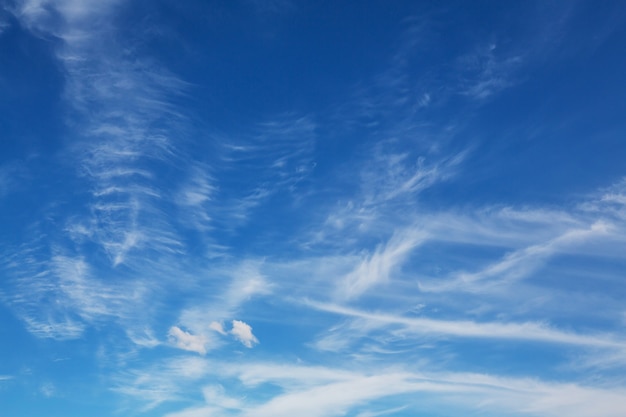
(243, 332)
(187, 341)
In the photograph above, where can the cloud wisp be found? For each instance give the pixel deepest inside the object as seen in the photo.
(538, 332)
(377, 268)
(336, 391)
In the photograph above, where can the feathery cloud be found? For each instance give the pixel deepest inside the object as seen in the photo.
(465, 328)
(376, 269)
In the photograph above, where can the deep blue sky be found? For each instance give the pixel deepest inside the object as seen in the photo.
(312, 208)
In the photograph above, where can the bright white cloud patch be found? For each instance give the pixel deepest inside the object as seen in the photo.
(187, 341)
(243, 333)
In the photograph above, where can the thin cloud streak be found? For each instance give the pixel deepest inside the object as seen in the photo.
(518, 264)
(465, 328)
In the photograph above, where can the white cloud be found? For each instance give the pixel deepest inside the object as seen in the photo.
(115, 104)
(164, 381)
(316, 391)
(520, 263)
(59, 328)
(187, 341)
(536, 397)
(243, 332)
(471, 329)
(377, 268)
(610, 201)
(389, 182)
(125, 140)
(241, 282)
(332, 399)
(248, 281)
(395, 176)
(285, 374)
(144, 338)
(196, 198)
(218, 327)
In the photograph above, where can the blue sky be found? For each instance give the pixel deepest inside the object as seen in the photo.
(276, 208)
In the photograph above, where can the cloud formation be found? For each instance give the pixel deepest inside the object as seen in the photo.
(243, 333)
(187, 341)
(405, 229)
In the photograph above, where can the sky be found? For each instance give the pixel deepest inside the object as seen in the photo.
(268, 208)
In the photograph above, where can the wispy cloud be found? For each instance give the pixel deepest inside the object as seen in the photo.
(485, 73)
(275, 157)
(391, 181)
(395, 175)
(609, 201)
(336, 392)
(80, 299)
(187, 341)
(120, 116)
(376, 269)
(118, 107)
(376, 275)
(59, 327)
(520, 263)
(162, 382)
(465, 328)
(333, 398)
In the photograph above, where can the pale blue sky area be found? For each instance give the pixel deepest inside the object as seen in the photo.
(307, 208)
